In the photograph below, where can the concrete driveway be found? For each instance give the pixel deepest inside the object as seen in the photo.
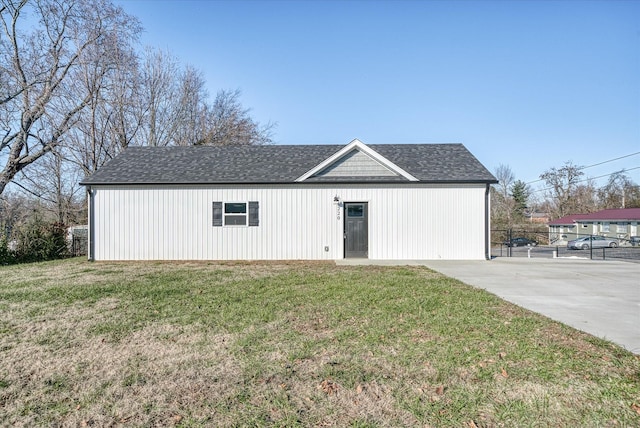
(599, 297)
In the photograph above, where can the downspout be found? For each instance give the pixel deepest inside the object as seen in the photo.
(91, 236)
(487, 224)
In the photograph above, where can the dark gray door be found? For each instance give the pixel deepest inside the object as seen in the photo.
(356, 230)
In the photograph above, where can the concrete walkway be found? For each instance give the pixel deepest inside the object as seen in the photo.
(599, 297)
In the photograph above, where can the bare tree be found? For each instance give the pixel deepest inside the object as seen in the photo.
(178, 112)
(191, 109)
(564, 194)
(114, 115)
(16, 209)
(584, 198)
(619, 192)
(72, 85)
(502, 203)
(54, 182)
(230, 123)
(41, 99)
(159, 80)
(126, 113)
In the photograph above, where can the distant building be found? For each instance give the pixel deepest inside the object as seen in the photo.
(536, 217)
(620, 224)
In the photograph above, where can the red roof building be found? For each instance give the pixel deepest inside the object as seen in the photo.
(620, 224)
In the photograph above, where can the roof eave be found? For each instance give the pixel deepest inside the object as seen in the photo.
(607, 219)
(300, 183)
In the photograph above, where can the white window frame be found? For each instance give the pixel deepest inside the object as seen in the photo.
(605, 227)
(622, 228)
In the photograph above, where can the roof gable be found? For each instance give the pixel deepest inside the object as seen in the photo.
(356, 160)
(356, 164)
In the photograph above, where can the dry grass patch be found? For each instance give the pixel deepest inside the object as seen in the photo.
(291, 344)
(63, 374)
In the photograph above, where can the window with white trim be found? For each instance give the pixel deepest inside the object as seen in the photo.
(604, 227)
(622, 228)
(235, 214)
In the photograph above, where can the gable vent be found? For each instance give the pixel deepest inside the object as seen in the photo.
(356, 164)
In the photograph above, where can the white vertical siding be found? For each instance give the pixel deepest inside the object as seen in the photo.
(296, 222)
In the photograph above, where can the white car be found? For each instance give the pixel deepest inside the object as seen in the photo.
(586, 241)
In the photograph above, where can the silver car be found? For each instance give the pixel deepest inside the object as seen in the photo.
(597, 242)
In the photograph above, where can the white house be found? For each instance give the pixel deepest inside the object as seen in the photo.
(320, 202)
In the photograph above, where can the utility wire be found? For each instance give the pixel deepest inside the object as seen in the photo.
(591, 178)
(596, 164)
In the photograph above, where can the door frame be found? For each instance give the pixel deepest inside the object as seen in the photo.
(344, 227)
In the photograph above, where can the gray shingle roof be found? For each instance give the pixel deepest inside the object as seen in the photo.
(280, 164)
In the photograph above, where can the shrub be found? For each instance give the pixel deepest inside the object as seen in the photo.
(40, 241)
(6, 255)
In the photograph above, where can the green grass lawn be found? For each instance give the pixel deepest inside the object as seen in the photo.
(292, 344)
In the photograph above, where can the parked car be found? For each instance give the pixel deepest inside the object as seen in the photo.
(520, 242)
(635, 241)
(597, 242)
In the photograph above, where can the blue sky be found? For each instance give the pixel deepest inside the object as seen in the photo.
(526, 84)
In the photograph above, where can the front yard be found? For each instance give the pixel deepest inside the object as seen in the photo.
(292, 344)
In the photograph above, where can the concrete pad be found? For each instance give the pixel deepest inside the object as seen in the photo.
(600, 297)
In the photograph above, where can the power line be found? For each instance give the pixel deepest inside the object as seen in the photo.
(611, 160)
(591, 178)
(596, 164)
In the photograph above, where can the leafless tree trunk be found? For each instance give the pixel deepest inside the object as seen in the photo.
(563, 191)
(113, 116)
(619, 192)
(160, 77)
(502, 204)
(178, 112)
(191, 109)
(14, 210)
(230, 124)
(41, 99)
(54, 182)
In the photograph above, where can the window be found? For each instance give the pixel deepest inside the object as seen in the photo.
(604, 227)
(235, 214)
(355, 211)
(622, 228)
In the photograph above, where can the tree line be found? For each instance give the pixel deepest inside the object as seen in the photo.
(76, 88)
(565, 191)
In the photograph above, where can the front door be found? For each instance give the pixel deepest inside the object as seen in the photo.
(356, 230)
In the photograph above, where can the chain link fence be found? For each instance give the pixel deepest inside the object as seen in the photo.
(539, 244)
(79, 241)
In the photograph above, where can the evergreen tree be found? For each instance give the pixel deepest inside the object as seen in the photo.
(520, 194)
